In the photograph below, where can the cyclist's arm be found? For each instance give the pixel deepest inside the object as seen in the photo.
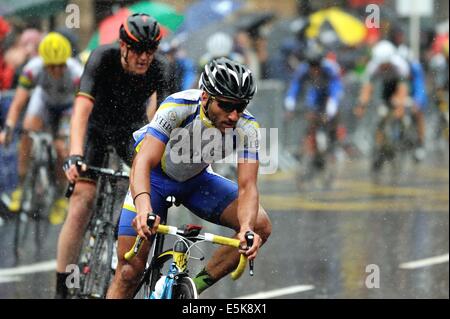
(149, 155)
(81, 111)
(294, 89)
(151, 108)
(93, 73)
(20, 99)
(248, 194)
(248, 203)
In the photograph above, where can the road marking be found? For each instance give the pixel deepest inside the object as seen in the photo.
(425, 262)
(7, 279)
(278, 292)
(291, 203)
(29, 269)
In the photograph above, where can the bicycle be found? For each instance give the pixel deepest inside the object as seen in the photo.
(320, 165)
(177, 284)
(95, 260)
(38, 194)
(398, 137)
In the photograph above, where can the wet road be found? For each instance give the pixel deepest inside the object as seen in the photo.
(356, 240)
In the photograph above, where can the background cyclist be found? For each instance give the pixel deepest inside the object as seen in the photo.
(55, 78)
(320, 78)
(219, 107)
(389, 69)
(118, 94)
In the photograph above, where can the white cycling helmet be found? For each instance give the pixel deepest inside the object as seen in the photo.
(383, 51)
(219, 44)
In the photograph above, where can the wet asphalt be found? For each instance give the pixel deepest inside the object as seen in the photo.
(355, 239)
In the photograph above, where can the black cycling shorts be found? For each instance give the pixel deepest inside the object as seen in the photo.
(96, 149)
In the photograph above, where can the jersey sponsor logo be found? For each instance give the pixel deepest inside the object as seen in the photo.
(162, 122)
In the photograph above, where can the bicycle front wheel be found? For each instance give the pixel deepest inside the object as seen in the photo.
(184, 288)
(96, 265)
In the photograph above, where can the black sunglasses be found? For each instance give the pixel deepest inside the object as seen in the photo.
(231, 106)
(139, 51)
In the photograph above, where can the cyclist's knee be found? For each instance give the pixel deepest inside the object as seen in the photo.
(83, 195)
(32, 123)
(129, 274)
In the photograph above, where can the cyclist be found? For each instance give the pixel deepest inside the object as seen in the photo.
(118, 94)
(320, 78)
(392, 71)
(55, 77)
(218, 108)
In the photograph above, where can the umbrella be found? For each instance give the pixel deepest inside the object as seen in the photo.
(349, 30)
(108, 30)
(205, 12)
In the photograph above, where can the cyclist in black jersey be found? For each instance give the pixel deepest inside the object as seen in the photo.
(118, 94)
(392, 71)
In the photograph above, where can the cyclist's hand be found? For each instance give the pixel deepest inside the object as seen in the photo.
(250, 252)
(2, 138)
(71, 167)
(141, 227)
(6, 136)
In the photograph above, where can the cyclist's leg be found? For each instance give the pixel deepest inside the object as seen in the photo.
(56, 115)
(128, 273)
(203, 201)
(80, 211)
(33, 121)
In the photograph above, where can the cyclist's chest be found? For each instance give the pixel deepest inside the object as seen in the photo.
(56, 87)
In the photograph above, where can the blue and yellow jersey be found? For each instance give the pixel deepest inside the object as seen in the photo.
(192, 142)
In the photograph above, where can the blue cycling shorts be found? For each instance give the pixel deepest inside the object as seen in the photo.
(206, 195)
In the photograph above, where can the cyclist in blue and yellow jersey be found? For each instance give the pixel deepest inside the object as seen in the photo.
(173, 159)
(118, 94)
(55, 78)
(320, 78)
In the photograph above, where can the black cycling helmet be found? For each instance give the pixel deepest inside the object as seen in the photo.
(224, 77)
(141, 32)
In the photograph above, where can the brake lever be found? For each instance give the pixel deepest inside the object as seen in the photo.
(249, 237)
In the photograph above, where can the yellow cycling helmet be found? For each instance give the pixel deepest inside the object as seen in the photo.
(55, 49)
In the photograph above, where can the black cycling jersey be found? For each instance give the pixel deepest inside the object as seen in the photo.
(120, 101)
(120, 98)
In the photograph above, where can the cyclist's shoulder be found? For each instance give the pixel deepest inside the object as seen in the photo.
(331, 66)
(247, 121)
(182, 101)
(74, 66)
(105, 54)
(35, 65)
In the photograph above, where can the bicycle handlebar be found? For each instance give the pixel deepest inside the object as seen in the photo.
(98, 170)
(216, 239)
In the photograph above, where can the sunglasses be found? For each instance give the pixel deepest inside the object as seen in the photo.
(56, 66)
(231, 106)
(139, 51)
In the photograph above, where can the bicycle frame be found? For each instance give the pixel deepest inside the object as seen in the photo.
(39, 190)
(97, 250)
(180, 255)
